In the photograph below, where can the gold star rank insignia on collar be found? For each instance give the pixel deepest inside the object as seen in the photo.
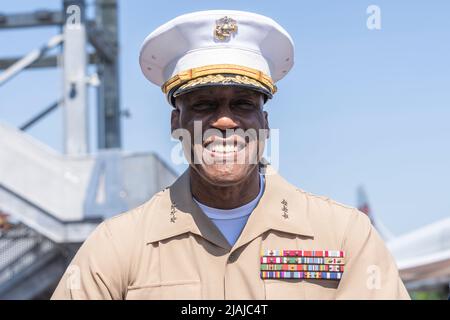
(173, 210)
(284, 209)
(302, 264)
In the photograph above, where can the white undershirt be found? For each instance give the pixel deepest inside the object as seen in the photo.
(231, 222)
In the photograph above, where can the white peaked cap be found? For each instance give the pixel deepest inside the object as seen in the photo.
(255, 46)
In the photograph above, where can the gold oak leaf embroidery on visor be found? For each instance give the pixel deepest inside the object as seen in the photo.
(221, 79)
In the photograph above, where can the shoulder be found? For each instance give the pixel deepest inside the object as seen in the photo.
(328, 208)
(135, 218)
(125, 230)
(333, 220)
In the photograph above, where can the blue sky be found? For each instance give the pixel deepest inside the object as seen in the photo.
(360, 106)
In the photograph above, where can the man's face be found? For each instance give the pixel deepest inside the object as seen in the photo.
(233, 131)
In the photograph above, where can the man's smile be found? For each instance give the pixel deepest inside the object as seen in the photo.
(224, 148)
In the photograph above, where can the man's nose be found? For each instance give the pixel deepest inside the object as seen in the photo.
(225, 120)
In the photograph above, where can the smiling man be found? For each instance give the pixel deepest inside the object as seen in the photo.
(230, 227)
(226, 160)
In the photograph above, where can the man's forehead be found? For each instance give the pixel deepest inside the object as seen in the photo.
(221, 91)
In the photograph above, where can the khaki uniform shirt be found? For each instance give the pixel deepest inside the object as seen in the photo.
(169, 249)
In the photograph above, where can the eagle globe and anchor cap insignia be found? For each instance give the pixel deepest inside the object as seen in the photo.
(225, 27)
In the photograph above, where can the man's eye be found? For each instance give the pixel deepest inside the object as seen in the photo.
(245, 105)
(202, 106)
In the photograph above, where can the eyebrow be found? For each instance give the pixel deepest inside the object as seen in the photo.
(246, 92)
(202, 96)
(246, 95)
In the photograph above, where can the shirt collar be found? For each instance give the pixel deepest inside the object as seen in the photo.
(282, 207)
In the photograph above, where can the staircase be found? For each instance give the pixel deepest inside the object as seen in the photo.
(57, 201)
(30, 264)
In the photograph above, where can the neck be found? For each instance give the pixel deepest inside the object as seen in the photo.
(228, 197)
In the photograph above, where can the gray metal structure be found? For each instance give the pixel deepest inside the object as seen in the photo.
(102, 33)
(56, 199)
(106, 42)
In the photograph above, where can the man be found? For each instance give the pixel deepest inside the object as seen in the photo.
(229, 227)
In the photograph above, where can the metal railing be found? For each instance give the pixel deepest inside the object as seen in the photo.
(21, 248)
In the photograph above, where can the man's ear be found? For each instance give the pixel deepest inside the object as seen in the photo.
(266, 120)
(175, 120)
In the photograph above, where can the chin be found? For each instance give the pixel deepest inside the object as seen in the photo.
(225, 167)
(224, 174)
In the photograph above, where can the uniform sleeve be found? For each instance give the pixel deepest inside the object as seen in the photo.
(95, 271)
(370, 271)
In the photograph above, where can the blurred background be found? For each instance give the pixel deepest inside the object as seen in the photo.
(362, 118)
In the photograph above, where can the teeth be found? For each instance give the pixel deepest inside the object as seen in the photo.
(222, 148)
